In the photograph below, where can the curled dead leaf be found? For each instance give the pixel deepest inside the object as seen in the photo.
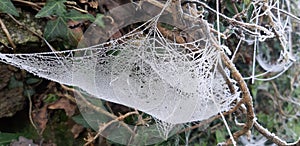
(64, 104)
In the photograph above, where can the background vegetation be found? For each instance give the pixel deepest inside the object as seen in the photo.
(37, 111)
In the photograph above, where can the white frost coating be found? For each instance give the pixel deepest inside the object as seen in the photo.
(162, 81)
(279, 67)
(170, 81)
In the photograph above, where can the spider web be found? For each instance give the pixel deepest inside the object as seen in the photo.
(173, 82)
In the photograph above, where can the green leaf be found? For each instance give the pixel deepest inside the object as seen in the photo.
(230, 7)
(247, 2)
(13, 83)
(6, 138)
(29, 92)
(51, 98)
(6, 6)
(52, 7)
(250, 12)
(75, 15)
(80, 120)
(32, 80)
(56, 29)
(220, 136)
(113, 52)
(99, 20)
(222, 27)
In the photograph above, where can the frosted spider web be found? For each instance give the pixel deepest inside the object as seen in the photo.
(281, 21)
(173, 82)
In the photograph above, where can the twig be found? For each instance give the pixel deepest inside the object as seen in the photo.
(108, 107)
(170, 35)
(287, 13)
(216, 32)
(283, 99)
(98, 109)
(281, 37)
(71, 3)
(239, 23)
(280, 96)
(246, 97)
(104, 126)
(33, 32)
(72, 99)
(23, 25)
(271, 136)
(205, 122)
(78, 9)
(88, 103)
(30, 112)
(180, 40)
(3, 27)
(28, 3)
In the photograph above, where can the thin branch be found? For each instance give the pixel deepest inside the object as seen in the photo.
(78, 9)
(23, 25)
(239, 23)
(271, 136)
(287, 13)
(96, 108)
(33, 32)
(205, 122)
(246, 97)
(28, 3)
(3, 27)
(29, 114)
(170, 35)
(104, 126)
(72, 99)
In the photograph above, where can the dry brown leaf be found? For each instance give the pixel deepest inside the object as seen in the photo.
(76, 30)
(116, 35)
(65, 104)
(39, 117)
(94, 4)
(76, 130)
